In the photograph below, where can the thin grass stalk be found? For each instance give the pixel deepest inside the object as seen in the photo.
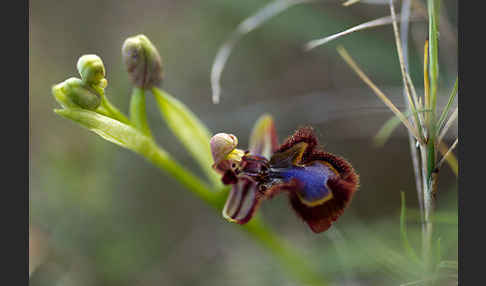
(426, 81)
(349, 60)
(433, 9)
(448, 106)
(418, 104)
(450, 159)
(404, 27)
(429, 150)
(448, 125)
(446, 155)
(367, 25)
(411, 103)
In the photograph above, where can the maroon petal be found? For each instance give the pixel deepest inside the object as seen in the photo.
(304, 134)
(320, 217)
(343, 186)
(242, 202)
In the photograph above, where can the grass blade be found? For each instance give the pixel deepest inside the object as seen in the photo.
(403, 231)
(350, 2)
(448, 106)
(249, 24)
(371, 24)
(387, 129)
(448, 125)
(449, 157)
(433, 11)
(411, 103)
(347, 58)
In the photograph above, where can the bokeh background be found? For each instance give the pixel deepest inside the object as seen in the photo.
(101, 215)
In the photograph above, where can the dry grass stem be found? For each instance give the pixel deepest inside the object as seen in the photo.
(350, 2)
(406, 83)
(371, 24)
(446, 156)
(449, 123)
(347, 58)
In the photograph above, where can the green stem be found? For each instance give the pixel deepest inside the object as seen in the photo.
(112, 111)
(138, 114)
(429, 149)
(296, 265)
(429, 184)
(165, 162)
(433, 11)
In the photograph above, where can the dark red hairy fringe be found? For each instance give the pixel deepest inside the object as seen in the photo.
(320, 218)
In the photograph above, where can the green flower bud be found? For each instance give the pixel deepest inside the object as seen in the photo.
(142, 61)
(74, 93)
(92, 70)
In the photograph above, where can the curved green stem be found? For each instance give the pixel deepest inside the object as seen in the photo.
(165, 162)
(297, 266)
(138, 114)
(112, 111)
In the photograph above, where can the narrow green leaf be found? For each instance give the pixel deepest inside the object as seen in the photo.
(403, 231)
(189, 130)
(390, 125)
(386, 130)
(433, 12)
(447, 108)
(109, 129)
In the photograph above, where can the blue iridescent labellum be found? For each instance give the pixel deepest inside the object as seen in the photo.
(314, 178)
(319, 185)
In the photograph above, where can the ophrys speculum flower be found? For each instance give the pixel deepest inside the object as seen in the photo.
(319, 184)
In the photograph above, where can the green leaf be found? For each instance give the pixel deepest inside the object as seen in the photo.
(189, 130)
(386, 130)
(433, 12)
(109, 129)
(403, 231)
(390, 125)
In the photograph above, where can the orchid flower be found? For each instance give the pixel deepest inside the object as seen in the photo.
(319, 185)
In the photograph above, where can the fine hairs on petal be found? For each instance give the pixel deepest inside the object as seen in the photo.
(320, 217)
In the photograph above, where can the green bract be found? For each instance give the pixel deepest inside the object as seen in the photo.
(74, 93)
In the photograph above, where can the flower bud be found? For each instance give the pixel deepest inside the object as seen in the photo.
(73, 92)
(222, 145)
(92, 70)
(142, 61)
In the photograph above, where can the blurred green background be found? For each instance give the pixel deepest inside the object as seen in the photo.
(101, 215)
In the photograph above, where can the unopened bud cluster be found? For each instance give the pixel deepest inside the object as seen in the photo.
(85, 92)
(142, 61)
